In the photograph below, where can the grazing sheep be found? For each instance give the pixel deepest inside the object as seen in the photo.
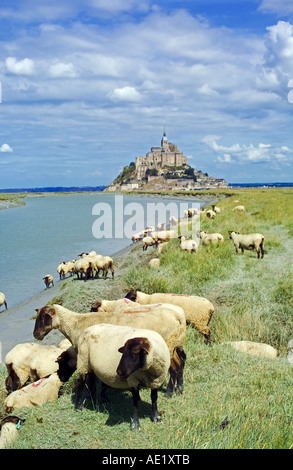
(211, 214)
(138, 236)
(210, 238)
(198, 310)
(31, 361)
(101, 263)
(67, 362)
(164, 235)
(9, 428)
(148, 241)
(188, 245)
(144, 363)
(168, 320)
(257, 349)
(34, 394)
(3, 300)
(65, 268)
(190, 212)
(154, 263)
(251, 241)
(81, 267)
(48, 279)
(216, 209)
(238, 209)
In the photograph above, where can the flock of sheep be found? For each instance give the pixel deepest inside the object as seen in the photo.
(129, 343)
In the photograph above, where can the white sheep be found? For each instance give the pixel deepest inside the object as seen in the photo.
(3, 300)
(65, 268)
(148, 241)
(9, 429)
(190, 212)
(161, 226)
(168, 320)
(198, 310)
(210, 238)
(48, 279)
(30, 362)
(164, 235)
(81, 267)
(144, 363)
(211, 214)
(251, 241)
(189, 245)
(238, 209)
(138, 236)
(257, 349)
(101, 263)
(154, 263)
(34, 394)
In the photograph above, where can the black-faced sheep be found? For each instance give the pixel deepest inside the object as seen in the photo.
(48, 279)
(251, 241)
(168, 320)
(189, 245)
(216, 209)
(144, 363)
(30, 362)
(198, 310)
(3, 300)
(211, 214)
(67, 362)
(9, 428)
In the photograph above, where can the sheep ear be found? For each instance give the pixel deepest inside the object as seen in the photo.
(121, 350)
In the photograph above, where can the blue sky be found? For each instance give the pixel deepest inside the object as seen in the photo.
(89, 85)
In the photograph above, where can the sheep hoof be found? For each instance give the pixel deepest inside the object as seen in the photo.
(135, 425)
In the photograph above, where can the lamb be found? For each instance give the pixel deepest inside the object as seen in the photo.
(252, 241)
(3, 300)
(238, 209)
(210, 238)
(9, 428)
(48, 279)
(34, 394)
(168, 320)
(148, 241)
(198, 310)
(31, 361)
(189, 245)
(144, 363)
(211, 214)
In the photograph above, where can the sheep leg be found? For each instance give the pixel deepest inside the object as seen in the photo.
(136, 399)
(155, 414)
(79, 389)
(104, 393)
(12, 381)
(182, 357)
(91, 385)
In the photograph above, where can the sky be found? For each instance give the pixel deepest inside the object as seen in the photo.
(86, 86)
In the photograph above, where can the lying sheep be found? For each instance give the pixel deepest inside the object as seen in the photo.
(48, 279)
(3, 300)
(188, 244)
(216, 209)
(210, 238)
(238, 209)
(31, 361)
(211, 214)
(168, 320)
(34, 394)
(257, 349)
(154, 263)
(9, 428)
(251, 241)
(148, 241)
(198, 310)
(144, 363)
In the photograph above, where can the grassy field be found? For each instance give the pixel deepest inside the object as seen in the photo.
(253, 300)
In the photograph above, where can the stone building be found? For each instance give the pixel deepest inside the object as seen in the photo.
(159, 158)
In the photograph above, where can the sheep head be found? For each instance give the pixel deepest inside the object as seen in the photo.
(44, 321)
(131, 295)
(133, 357)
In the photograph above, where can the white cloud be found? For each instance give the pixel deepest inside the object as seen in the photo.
(126, 93)
(247, 153)
(208, 91)
(276, 6)
(61, 70)
(5, 148)
(22, 67)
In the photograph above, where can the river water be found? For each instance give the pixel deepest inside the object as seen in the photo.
(36, 237)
